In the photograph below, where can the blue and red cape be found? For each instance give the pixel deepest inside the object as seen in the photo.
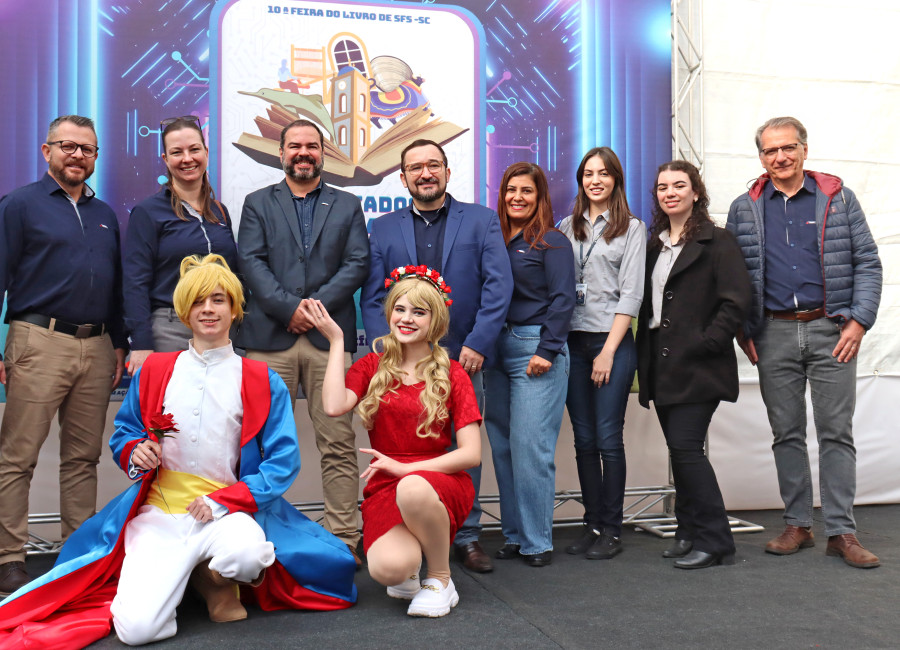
(68, 607)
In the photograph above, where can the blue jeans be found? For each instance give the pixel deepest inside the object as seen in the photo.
(598, 421)
(523, 426)
(790, 353)
(471, 528)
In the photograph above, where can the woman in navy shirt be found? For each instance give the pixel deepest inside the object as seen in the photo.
(184, 218)
(610, 246)
(526, 387)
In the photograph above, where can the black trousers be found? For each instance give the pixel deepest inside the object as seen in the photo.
(699, 507)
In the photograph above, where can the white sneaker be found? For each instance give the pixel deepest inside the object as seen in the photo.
(407, 589)
(434, 599)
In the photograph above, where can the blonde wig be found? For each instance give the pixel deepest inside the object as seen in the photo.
(434, 369)
(199, 278)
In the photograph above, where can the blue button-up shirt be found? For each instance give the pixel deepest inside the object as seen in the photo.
(155, 243)
(793, 271)
(306, 212)
(61, 260)
(544, 291)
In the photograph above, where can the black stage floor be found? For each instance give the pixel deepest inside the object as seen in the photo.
(636, 600)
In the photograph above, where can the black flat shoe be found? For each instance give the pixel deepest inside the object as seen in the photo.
(508, 552)
(588, 537)
(605, 548)
(701, 559)
(541, 559)
(679, 548)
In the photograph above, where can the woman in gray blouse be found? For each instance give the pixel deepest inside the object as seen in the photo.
(610, 249)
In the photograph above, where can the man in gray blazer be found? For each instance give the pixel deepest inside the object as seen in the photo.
(301, 239)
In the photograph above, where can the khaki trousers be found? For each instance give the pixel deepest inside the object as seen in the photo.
(304, 364)
(49, 373)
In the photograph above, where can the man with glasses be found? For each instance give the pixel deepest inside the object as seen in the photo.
(60, 267)
(463, 241)
(302, 239)
(816, 287)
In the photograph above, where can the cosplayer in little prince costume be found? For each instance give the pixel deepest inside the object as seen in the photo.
(210, 437)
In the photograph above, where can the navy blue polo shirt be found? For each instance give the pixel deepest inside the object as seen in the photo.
(793, 270)
(306, 212)
(156, 242)
(429, 227)
(544, 289)
(61, 262)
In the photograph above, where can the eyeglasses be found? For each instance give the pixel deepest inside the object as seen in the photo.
(788, 149)
(416, 169)
(171, 120)
(68, 147)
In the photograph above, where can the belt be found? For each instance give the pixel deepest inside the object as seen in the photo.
(55, 325)
(803, 315)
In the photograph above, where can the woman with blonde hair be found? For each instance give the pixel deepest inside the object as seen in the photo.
(409, 395)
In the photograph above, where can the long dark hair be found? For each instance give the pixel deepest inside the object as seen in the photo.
(619, 212)
(542, 219)
(699, 213)
(207, 196)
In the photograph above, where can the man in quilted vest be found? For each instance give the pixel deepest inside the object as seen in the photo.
(816, 287)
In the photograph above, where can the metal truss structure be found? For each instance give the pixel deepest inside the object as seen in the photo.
(687, 82)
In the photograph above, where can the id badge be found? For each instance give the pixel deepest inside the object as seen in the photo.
(580, 294)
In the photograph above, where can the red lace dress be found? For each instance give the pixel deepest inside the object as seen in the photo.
(394, 434)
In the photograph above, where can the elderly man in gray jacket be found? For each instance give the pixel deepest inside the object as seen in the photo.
(816, 281)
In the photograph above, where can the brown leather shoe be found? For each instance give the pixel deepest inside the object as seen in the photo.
(474, 558)
(222, 595)
(791, 540)
(12, 576)
(356, 557)
(849, 548)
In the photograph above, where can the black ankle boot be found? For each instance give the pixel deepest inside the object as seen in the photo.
(587, 539)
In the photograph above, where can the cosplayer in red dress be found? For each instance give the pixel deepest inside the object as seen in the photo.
(394, 434)
(409, 396)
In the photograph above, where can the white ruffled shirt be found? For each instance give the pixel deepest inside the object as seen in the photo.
(204, 396)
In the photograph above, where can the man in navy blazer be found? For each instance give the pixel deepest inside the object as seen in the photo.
(301, 239)
(464, 242)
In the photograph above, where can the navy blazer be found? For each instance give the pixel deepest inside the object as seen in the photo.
(278, 274)
(474, 263)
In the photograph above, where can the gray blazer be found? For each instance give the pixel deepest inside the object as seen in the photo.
(278, 274)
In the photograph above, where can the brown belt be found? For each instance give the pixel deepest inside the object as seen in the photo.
(800, 315)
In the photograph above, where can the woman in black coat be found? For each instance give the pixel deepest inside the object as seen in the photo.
(696, 295)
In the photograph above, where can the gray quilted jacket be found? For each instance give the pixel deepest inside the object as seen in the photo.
(848, 254)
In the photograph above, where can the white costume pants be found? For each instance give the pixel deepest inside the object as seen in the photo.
(161, 550)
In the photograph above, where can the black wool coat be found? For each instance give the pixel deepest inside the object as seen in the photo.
(706, 299)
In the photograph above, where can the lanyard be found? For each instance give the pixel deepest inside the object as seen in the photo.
(584, 260)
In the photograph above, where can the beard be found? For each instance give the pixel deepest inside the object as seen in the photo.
(304, 175)
(70, 177)
(427, 196)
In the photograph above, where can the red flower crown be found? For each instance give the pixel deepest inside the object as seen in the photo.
(420, 272)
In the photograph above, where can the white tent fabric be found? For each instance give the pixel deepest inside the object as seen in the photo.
(836, 67)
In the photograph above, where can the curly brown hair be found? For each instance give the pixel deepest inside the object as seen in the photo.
(699, 213)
